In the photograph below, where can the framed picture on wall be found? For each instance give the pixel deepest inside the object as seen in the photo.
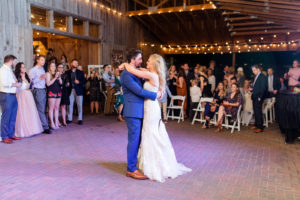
(117, 57)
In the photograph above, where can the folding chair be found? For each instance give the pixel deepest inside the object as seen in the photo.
(199, 110)
(267, 111)
(236, 124)
(173, 107)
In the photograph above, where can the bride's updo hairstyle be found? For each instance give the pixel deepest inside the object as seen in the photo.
(160, 66)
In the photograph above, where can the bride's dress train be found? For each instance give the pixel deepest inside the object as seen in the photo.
(156, 157)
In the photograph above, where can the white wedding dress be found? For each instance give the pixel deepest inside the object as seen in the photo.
(156, 157)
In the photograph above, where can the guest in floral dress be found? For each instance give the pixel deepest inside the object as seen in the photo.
(230, 105)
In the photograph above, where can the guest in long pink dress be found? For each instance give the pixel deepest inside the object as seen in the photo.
(28, 122)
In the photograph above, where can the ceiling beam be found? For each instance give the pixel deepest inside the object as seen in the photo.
(172, 9)
(141, 3)
(147, 26)
(262, 32)
(256, 28)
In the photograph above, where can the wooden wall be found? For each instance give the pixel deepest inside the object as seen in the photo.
(117, 32)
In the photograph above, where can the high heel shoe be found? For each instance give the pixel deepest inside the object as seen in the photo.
(220, 128)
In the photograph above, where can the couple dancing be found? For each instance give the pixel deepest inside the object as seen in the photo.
(149, 147)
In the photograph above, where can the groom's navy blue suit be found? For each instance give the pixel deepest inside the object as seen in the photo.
(133, 111)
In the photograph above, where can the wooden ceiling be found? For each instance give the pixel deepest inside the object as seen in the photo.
(187, 22)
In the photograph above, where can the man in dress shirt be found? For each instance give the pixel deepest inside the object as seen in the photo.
(294, 75)
(259, 90)
(38, 76)
(76, 90)
(109, 80)
(273, 83)
(8, 100)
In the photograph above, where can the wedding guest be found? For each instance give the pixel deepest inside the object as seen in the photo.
(240, 76)
(212, 107)
(163, 103)
(247, 103)
(204, 85)
(28, 122)
(8, 100)
(260, 88)
(225, 72)
(225, 83)
(294, 74)
(181, 89)
(65, 88)
(232, 80)
(54, 82)
(189, 75)
(76, 91)
(94, 91)
(196, 94)
(229, 74)
(64, 61)
(38, 76)
(172, 79)
(282, 84)
(109, 79)
(211, 79)
(230, 106)
(119, 104)
(273, 83)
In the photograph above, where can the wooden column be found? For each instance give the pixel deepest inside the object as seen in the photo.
(50, 18)
(69, 20)
(86, 27)
(233, 59)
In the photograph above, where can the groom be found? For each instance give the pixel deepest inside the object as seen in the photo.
(134, 96)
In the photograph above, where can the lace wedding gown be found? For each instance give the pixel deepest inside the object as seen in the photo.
(156, 157)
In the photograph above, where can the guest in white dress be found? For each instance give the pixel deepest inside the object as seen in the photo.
(28, 122)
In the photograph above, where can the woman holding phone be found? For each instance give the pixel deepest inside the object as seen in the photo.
(54, 82)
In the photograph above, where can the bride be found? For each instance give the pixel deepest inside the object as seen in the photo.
(156, 156)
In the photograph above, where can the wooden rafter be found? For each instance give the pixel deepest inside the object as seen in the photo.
(262, 32)
(257, 28)
(172, 9)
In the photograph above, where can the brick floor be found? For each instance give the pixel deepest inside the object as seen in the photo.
(88, 162)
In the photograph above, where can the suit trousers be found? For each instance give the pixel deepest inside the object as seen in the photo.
(40, 98)
(79, 102)
(258, 115)
(134, 126)
(9, 107)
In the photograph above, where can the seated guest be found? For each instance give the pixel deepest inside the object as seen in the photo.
(65, 88)
(211, 80)
(260, 88)
(163, 103)
(38, 77)
(225, 83)
(229, 74)
(240, 76)
(273, 83)
(247, 103)
(212, 107)
(230, 105)
(119, 104)
(76, 90)
(196, 94)
(54, 82)
(8, 100)
(94, 90)
(294, 74)
(232, 80)
(282, 84)
(28, 122)
(109, 79)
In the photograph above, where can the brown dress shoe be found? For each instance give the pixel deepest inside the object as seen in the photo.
(136, 175)
(7, 141)
(15, 138)
(253, 127)
(258, 130)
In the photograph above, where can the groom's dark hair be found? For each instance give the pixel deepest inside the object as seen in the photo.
(132, 54)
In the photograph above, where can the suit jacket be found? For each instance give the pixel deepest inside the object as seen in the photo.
(79, 88)
(260, 88)
(134, 95)
(276, 83)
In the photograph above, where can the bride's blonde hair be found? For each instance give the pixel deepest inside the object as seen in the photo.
(160, 66)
